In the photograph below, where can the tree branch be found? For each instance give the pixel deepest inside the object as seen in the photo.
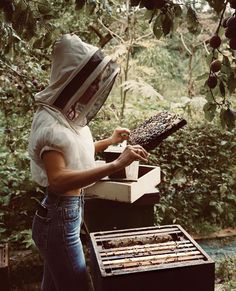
(184, 44)
(103, 40)
(111, 32)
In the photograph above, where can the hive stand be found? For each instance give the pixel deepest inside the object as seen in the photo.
(4, 268)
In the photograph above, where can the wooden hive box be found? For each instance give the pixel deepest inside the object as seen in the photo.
(127, 191)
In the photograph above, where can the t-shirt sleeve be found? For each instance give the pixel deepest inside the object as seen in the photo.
(54, 137)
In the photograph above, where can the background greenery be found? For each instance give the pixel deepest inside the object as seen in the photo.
(164, 67)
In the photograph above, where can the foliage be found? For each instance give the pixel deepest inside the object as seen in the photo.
(18, 194)
(18, 201)
(198, 179)
(225, 273)
(121, 22)
(198, 173)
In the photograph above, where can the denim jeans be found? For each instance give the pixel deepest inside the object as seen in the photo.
(56, 233)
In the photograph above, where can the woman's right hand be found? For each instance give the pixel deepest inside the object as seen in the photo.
(130, 154)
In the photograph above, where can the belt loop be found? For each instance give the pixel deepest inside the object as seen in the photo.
(43, 203)
(82, 194)
(82, 203)
(56, 198)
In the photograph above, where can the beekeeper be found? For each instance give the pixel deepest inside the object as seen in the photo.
(62, 153)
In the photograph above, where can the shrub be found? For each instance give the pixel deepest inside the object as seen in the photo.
(198, 187)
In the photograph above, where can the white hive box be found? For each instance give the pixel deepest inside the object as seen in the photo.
(124, 190)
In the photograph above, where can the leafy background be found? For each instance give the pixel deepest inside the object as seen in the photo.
(165, 64)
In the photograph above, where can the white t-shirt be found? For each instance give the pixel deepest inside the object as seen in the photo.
(49, 133)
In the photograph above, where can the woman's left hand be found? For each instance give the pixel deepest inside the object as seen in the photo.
(119, 135)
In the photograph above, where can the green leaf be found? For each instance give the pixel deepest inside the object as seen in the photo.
(47, 40)
(38, 43)
(209, 110)
(228, 118)
(157, 30)
(226, 66)
(149, 14)
(193, 24)
(231, 83)
(44, 8)
(222, 88)
(222, 120)
(177, 10)
(167, 24)
(209, 96)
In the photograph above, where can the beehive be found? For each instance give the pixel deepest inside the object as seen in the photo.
(163, 258)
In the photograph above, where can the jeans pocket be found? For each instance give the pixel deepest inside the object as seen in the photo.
(40, 231)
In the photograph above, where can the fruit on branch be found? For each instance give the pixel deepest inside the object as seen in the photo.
(215, 66)
(230, 25)
(215, 41)
(232, 4)
(232, 43)
(231, 22)
(230, 32)
(212, 81)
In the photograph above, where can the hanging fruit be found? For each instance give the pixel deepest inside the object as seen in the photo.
(212, 81)
(215, 66)
(215, 41)
(232, 4)
(232, 43)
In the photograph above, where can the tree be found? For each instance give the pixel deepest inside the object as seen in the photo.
(34, 22)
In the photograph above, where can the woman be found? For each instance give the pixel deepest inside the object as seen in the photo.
(62, 152)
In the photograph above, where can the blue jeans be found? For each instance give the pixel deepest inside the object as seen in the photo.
(56, 233)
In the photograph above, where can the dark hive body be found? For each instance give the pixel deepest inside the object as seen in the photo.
(154, 130)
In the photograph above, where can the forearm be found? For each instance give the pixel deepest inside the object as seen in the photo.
(68, 180)
(103, 144)
(62, 180)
